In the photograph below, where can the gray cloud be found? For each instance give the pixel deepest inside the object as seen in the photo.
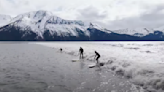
(112, 14)
(91, 14)
(153, 18)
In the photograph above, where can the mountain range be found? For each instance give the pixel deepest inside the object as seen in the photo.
(45, 26)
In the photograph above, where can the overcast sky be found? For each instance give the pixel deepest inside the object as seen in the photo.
(112, 14)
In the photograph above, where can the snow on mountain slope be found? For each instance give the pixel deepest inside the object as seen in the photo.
(4, 19)
(40, 21)
(161, 28)
(140, 32)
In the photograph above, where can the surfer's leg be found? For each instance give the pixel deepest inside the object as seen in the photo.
(97, 59)
(82, 55)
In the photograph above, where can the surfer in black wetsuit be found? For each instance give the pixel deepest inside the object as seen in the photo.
(81, 52)
(97, 56)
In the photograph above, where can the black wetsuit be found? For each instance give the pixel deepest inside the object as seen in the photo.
(81, 52)
(98, 55)
(61, 49)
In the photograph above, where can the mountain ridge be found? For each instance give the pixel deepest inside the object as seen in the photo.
(43, 25)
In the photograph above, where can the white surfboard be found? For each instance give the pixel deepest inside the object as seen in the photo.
(75, 60)
(94, 65)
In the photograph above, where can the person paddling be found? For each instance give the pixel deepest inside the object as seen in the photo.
(97, 56)
(81, 52)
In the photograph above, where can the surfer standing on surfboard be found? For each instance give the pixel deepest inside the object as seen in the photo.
(97, 56)
(81, 52)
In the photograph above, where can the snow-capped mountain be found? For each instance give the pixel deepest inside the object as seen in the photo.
(42, 22)
(4, 19)
(39, 21)
(43, 25)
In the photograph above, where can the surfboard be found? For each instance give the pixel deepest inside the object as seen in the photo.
(75, 60)
(95, 65)
(92, 65)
